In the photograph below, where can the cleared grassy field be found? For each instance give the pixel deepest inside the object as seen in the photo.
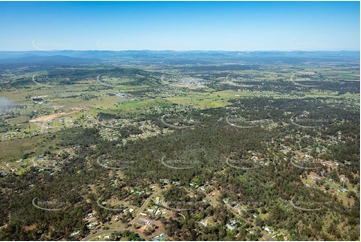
(130, 105)
(39, 144)
(208, 100)
(317, 94)
(121, 88)
(17, 120)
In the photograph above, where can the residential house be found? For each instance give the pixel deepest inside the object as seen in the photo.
(268, 230)
(204, 223)
(75, 233)
(92, 224)
(230, 227)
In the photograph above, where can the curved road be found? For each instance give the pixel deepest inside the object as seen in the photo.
(142, 207)
(102, 83)
(92, 236)
(145, 204)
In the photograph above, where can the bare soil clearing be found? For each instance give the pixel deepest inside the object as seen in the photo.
(57, 115)
(308, 72)
(50, 117)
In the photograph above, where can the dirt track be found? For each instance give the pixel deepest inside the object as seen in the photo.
(50, 117)
(57, 115)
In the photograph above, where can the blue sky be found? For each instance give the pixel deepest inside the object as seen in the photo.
(240, 26)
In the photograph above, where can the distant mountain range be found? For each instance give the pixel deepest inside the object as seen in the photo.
(88, 57)
(39, 59)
